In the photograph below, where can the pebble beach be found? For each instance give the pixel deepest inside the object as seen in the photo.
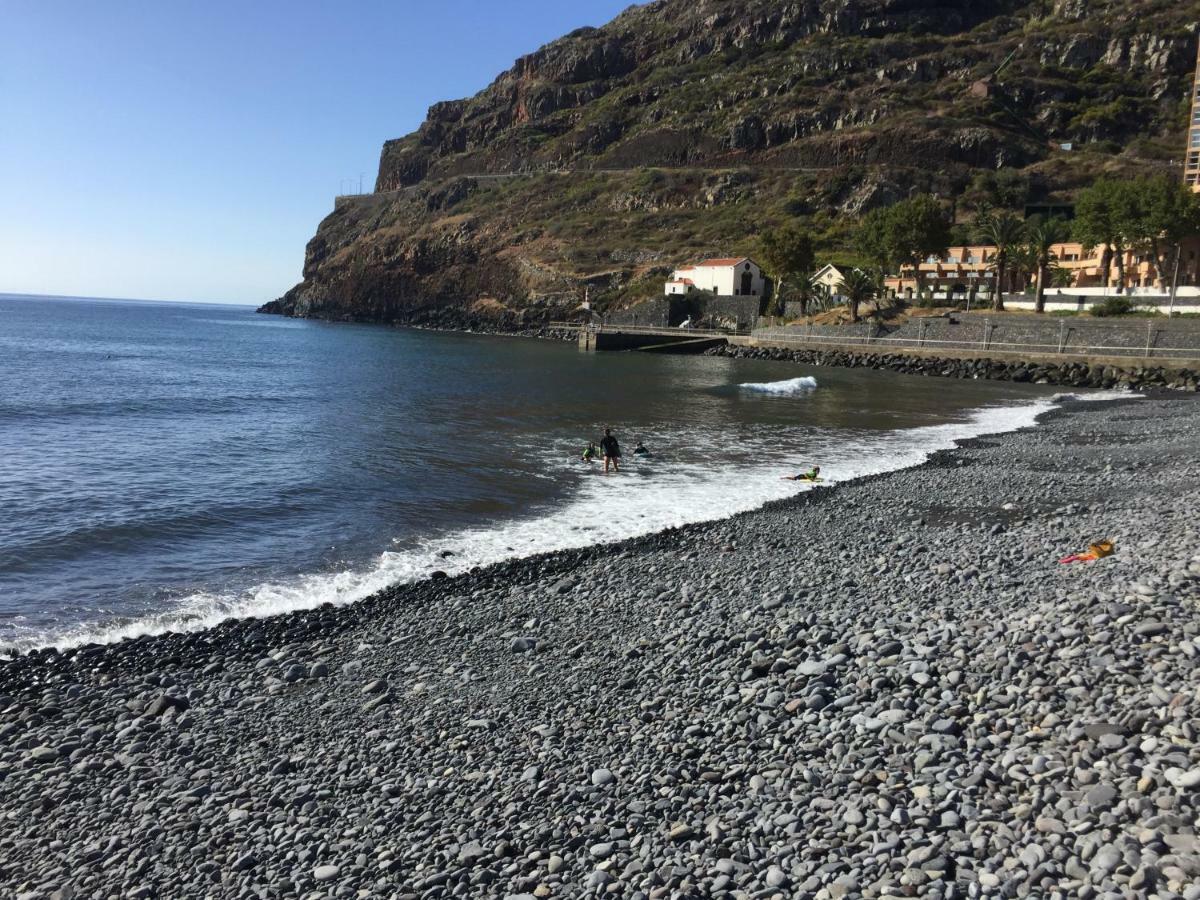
(882, 688)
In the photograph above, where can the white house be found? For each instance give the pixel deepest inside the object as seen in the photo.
(735, 277)
(830, 276)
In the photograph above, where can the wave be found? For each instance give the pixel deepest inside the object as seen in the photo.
(647, 497)
(788, 388)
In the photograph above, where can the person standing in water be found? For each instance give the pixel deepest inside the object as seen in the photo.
(592, 453)
(611, 450)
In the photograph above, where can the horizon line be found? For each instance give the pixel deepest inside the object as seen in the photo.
(38, 296)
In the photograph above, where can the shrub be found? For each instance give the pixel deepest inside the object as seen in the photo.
(1113, 306)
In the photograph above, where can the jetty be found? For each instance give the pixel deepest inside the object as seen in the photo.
(649, 339)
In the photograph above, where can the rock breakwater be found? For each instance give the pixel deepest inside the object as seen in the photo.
(887, 688)
(1068, 374)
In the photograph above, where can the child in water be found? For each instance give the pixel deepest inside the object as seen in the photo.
(592, 453)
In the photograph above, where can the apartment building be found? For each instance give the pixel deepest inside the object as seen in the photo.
(972, 269)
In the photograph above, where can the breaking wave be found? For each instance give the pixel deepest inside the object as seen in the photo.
(789, 387)
(648, 496)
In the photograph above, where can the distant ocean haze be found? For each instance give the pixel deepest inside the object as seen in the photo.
(165, 466)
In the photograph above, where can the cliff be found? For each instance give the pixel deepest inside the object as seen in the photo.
(686, 127)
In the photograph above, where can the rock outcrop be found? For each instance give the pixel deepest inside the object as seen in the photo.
(686, 126)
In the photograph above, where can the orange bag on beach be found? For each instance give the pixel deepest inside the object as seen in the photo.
(1095, 551)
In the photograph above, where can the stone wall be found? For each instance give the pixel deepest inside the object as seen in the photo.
(704, 309)
(1013, 333)
(730, 312)
(658, 311)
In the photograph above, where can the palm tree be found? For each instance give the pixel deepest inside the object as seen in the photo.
(1004, 230)
(805, 293)
(857, 287)
(1061, 277)
(1040, 238)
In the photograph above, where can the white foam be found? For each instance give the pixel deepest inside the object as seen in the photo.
(789, 387)
(648, 496)
(1096, 395)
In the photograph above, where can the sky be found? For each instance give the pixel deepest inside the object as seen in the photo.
(187, 149)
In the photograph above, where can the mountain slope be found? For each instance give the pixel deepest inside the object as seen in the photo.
(684, 128)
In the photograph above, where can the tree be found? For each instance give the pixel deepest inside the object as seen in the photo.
(1040, 238)
(904, 233)
(1096, 223)
(872, 238)
(788, 253)
(920, 228)
(857, 287)
(997, 189)
(805, 293)
(1061, 277)
(1004, 230)
(1158, 212)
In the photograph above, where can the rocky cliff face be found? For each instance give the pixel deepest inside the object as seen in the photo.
(688, 126)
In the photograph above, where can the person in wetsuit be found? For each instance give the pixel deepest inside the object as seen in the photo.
(611, 450)
(810, 475)
(640, 450)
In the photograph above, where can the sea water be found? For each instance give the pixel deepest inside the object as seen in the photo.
(166, 466)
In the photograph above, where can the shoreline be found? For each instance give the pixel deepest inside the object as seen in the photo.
(113, 636)
(882, 687)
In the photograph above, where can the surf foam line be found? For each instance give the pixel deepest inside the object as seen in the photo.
(788, 387)
(603, 510)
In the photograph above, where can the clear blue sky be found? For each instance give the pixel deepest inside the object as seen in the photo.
(187, 149)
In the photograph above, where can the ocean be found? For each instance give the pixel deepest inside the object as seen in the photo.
(164, 466)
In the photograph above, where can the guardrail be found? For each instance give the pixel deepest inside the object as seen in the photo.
(986, 344)
(595, 327)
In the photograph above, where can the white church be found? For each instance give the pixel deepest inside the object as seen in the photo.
(735, 277)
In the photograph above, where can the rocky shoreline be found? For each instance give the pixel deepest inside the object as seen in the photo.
(527, 323)
(887, 688)
(1067, 374)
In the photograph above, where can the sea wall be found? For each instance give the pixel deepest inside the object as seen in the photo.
(1089, 336)
(1067, 373)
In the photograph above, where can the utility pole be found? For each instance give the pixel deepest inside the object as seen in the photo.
(1174, 280)
(360, 178)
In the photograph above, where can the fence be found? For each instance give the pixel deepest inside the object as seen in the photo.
(1070, 341)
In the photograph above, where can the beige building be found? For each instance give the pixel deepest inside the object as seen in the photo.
(972, 269)
(1191, 165)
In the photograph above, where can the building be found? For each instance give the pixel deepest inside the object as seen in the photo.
(1191, 165)
(969, 270)
(830, 276)
(733, 277)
